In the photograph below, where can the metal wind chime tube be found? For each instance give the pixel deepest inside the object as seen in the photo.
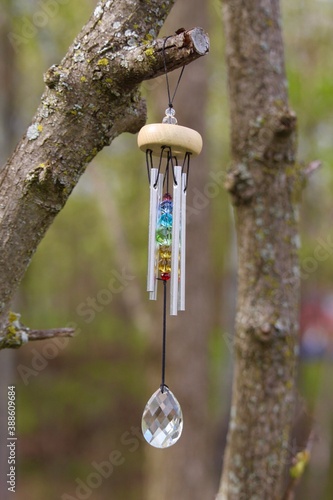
(156, 187)
(162, 420)
(153, 204)
(153, 295)
(181, 306)
(175, 254)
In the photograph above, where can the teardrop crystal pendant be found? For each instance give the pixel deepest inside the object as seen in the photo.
(162, 419)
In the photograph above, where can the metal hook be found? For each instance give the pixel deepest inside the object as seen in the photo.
(159, 165)
(149, 162)
(170, 160)
(186, 161)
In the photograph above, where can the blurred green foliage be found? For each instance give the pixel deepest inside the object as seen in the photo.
(76, 409)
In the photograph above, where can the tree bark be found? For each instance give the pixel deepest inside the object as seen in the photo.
(90, 98)
(7, 134)
(264, 183)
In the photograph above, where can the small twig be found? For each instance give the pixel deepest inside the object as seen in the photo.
(312, 167)
(49, 334)
(16, 334)
(296, 471)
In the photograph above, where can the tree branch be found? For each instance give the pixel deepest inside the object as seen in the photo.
(91, 97)
(16, 334)
(296, 471)
(312, 167)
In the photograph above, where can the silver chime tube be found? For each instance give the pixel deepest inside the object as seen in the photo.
(181, 300)
(153, 294)
(176, 216)
(153, 206)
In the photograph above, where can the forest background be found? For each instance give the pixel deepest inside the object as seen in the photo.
(79, 400)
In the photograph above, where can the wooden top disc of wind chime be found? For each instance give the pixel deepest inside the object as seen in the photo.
(180, 139)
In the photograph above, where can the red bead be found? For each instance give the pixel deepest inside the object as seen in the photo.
(165, 276)
(167, 196)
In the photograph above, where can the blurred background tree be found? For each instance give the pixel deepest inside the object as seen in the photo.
(8, 85)
(78, 406)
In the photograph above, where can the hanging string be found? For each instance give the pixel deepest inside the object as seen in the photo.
(167, 78)
(149, 162)
(164, 335)
(167, 174)
(159, 165)
(186, 168)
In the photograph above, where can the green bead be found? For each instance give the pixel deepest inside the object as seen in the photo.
(163, 236)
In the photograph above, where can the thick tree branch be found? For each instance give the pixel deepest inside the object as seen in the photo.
(91, 97)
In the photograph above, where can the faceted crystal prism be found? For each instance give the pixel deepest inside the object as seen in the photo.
(162, 419)
(170, 116)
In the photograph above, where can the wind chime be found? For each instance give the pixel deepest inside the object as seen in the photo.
(162, 420)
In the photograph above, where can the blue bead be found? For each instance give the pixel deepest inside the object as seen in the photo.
(166, 206)
(165, 220)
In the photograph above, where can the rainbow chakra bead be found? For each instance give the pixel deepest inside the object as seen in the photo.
(164, 235)
(164, 266)
(165, 252)
(164, 262)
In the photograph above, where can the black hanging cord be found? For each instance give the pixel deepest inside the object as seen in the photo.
(170, 160)
(159, 165)
(164, 335)
(186, 165)
(167, 78)
(149, 162)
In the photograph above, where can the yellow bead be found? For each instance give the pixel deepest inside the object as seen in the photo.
(164, 266)
(165, 252)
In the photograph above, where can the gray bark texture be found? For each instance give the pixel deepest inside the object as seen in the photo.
(264, 182)
(7, 134)
(90, 98)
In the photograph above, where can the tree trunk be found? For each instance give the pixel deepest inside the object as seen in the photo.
(90, 98)
(264, 183)
(7, 107)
